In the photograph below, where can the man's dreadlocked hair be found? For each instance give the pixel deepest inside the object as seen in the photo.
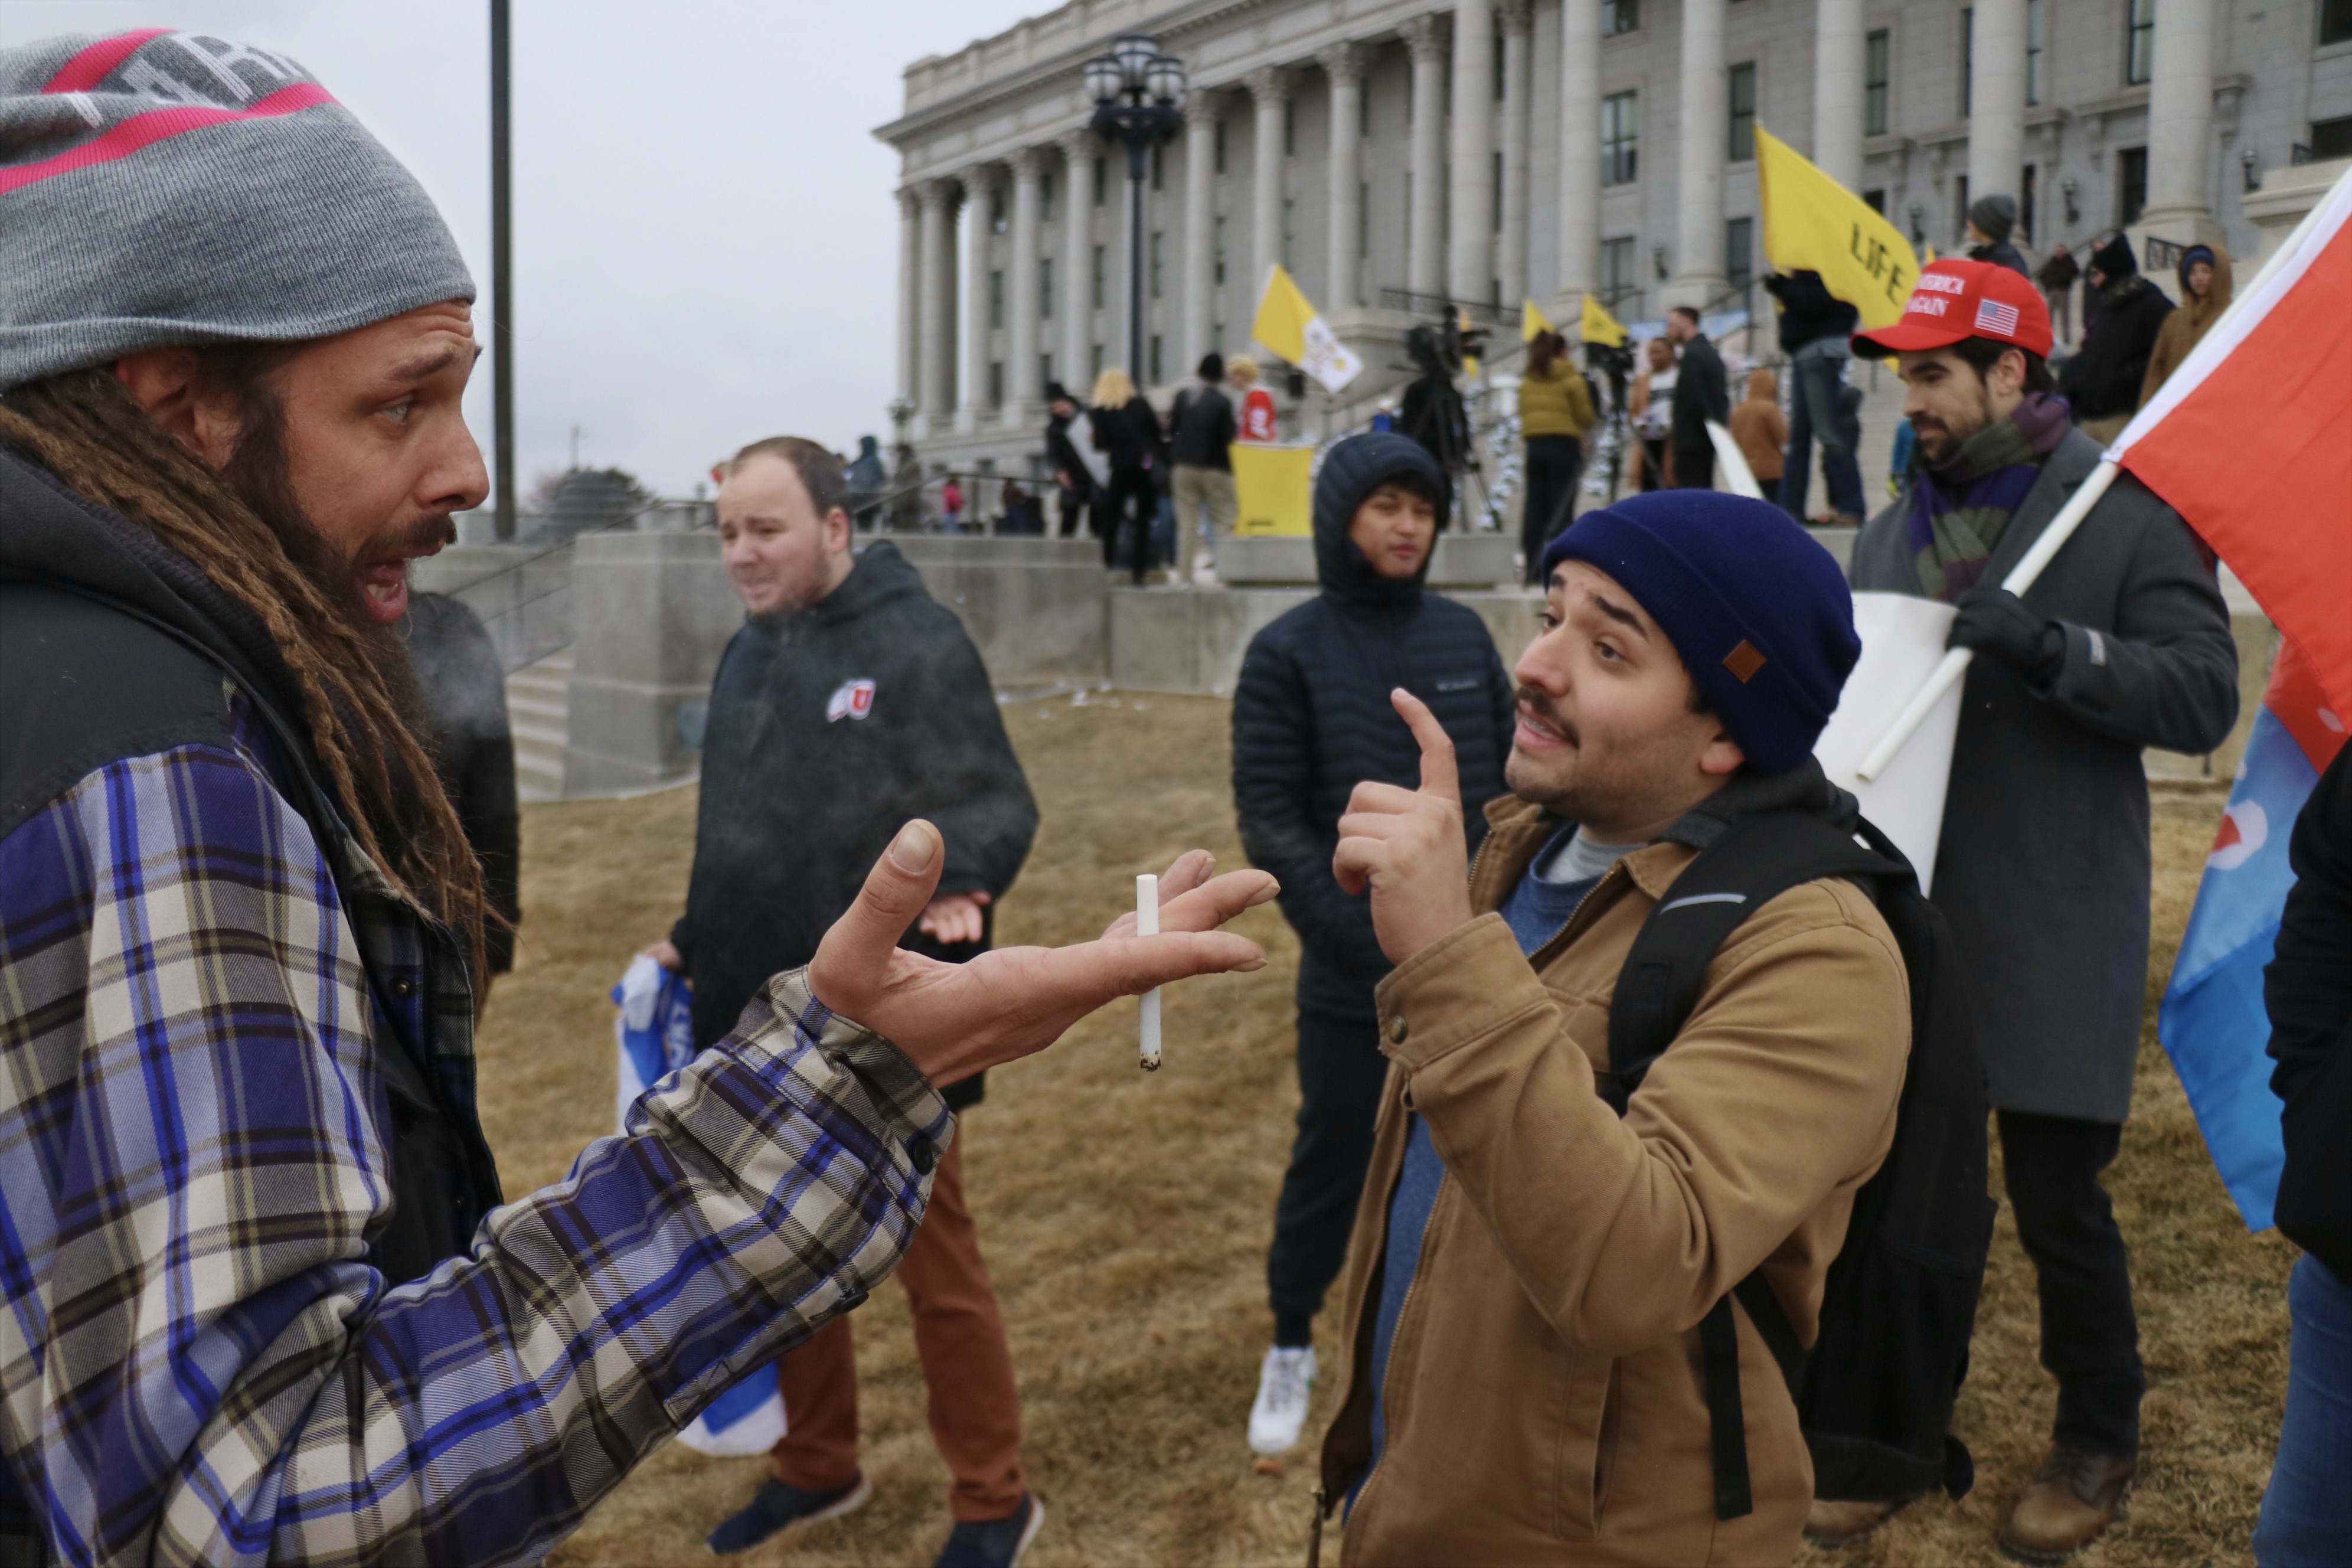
(84, 426)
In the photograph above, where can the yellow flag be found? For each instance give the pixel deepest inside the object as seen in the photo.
(1292, 330)
(1812, 222)
(1600, 326)
(1532, 321)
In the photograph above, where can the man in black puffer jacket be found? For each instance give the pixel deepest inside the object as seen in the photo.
(1311, 721)
(2122, 315)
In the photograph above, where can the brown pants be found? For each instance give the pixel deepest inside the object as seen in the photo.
(974, 1409)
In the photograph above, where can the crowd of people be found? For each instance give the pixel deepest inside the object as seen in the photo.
(1632, 1062)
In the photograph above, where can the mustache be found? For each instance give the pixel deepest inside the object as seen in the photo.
(409, 538)
(1542, 706)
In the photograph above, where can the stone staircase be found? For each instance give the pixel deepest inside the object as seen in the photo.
(539, 710)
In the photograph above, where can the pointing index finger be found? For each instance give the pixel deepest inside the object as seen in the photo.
(1438, 774)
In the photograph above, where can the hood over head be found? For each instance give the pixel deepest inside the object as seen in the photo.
(2216, 298)
(1763, 386)
(2115, 259)
(1353, 470)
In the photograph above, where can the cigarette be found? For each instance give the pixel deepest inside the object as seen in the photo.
(1147, 923)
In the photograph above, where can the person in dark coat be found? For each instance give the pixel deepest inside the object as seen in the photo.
(2043, 871)
(1701, 398)
(1814, 326)
(464, 685)
(1126, 431)
(1992, 218)
(850, 703)
(2306, 1513)
(1201, 431)
(2102, 382)
(1071, 477)
(1312, 720)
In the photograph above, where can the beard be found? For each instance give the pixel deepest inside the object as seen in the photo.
(1940, 440)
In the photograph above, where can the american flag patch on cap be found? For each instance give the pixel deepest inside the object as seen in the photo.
(1992, 316)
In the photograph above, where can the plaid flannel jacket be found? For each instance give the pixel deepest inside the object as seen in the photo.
(197, 1362)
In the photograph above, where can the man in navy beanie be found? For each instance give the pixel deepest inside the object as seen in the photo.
(1528, 1269)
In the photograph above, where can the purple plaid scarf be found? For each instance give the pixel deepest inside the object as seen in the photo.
(1959, 506)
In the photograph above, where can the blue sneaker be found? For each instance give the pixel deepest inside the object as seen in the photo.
(993, 1542)
(776, 1505)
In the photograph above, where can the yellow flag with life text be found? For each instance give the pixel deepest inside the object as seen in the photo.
(1532, 321)
(1294, 331)
(1811, 222)
(1600, 327)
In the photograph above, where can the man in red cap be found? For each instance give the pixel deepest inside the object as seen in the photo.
(2123, 642)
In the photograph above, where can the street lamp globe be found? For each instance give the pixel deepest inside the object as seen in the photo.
(1103, 78)
(1134, 52)
(1164, 78)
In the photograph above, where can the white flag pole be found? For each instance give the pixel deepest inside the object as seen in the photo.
(2078, 506)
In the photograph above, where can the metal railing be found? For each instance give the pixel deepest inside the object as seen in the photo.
(1484, 311)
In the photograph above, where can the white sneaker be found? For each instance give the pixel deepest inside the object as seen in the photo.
(1282, 1384)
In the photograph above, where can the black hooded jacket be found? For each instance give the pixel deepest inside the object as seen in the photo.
(2105, 376)
(829, 730)
(1312, 720)
(1808, 310)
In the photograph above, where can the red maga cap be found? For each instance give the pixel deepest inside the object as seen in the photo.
(1957, 299)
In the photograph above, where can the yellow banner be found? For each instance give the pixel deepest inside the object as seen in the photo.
(1812, 222)
(1270, 483)
(1532, 321)
(1282, 314)
(1600, 326)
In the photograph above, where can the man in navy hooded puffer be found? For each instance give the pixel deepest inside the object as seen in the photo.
(1311, 721)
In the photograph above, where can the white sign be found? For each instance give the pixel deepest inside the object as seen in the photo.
(1328, 360)
(1901, 643)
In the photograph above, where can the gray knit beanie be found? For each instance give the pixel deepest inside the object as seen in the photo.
(160, 188)
(1995, 216)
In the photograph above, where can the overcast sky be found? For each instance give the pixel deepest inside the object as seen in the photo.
(705, 237)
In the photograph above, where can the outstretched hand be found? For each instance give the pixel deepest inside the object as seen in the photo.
(1407, 845)
(955, 1019)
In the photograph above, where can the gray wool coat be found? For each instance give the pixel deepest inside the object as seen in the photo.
(2043, 870)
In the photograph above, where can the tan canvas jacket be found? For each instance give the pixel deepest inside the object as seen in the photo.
(1543, 1402)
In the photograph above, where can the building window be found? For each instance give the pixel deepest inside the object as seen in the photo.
(1044, 370)
(1875, 52)
(1620, 16)
(1217, 336)
(1218, 247)
(996, 212)
(1618, 282)
(997, 382)
(996, 298)
(1620, 138)
(1157, 148)
(1743, 113)
(1875, 200)
(2131, 185)
(1502, 75)
(2025, 184)
(1364, 220)
(2032, 52)
(1740, 251)
(1045, 197)
(1156, 237)
(1968, 61)
(1290, 128)
(1363, 114)
(1095, 373)
(1498, 193)
(2335, 21)
(2331, 139)
(1102, 274)
(1102, 181)
(2139, 41)
(1289, 233)
(1961, 213)
(1045, 289)
(1218, 142)
(1155, 359)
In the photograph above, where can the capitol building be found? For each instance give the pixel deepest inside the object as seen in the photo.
(1395, 156)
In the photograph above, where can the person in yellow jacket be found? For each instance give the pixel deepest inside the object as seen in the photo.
(2205, 288)
(1555, 411)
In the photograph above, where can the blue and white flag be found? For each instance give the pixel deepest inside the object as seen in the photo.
(655, 1036)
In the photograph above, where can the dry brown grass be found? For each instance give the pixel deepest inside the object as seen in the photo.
(1125, 1217)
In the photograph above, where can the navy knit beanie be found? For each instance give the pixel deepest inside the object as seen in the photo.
(1759, 612)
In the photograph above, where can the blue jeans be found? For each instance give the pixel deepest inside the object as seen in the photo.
(2306, 1517)
(1818, 409)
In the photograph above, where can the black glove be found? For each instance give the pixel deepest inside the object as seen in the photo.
(1996, 623)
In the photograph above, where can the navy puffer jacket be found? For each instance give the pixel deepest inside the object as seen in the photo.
(1312, 720)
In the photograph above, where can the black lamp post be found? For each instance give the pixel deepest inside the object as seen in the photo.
(1135, 88)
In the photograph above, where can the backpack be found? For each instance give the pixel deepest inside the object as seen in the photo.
(1874, 1394)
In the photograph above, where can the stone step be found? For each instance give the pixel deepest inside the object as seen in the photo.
(547, 709)
(539, 713)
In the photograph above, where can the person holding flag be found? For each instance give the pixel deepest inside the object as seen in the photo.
(2043, 869)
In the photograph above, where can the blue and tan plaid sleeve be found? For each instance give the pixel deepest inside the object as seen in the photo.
(196, 1365)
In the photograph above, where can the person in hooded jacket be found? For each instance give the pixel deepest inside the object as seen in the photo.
(1992, 218)
(1072, 477)
(851, 703)
(2205, 288)
(1311, 721)
(2123, 312)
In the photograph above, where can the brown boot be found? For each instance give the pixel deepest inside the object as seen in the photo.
(2072, 1501)
(1831, 1523)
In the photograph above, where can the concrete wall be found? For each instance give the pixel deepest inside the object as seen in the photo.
(1461, 561)
(654, 612)
(522, 594)
(1035, 607)
(1194, 642)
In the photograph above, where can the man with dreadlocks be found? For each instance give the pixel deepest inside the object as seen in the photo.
(259, 1300)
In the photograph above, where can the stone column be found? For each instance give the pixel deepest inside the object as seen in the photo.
(2180, 116)
(1269, 88)
(1838, 67)
(1470, 268)
(1516, 18)
(1199, 226)
(1702, 137)
(1344, 65)
(1579, 154)
(1075, 285)
(1425, 37)
(937, 354)
(1025, 388)
(1997, 99)
(910, 293)
(979, 186)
